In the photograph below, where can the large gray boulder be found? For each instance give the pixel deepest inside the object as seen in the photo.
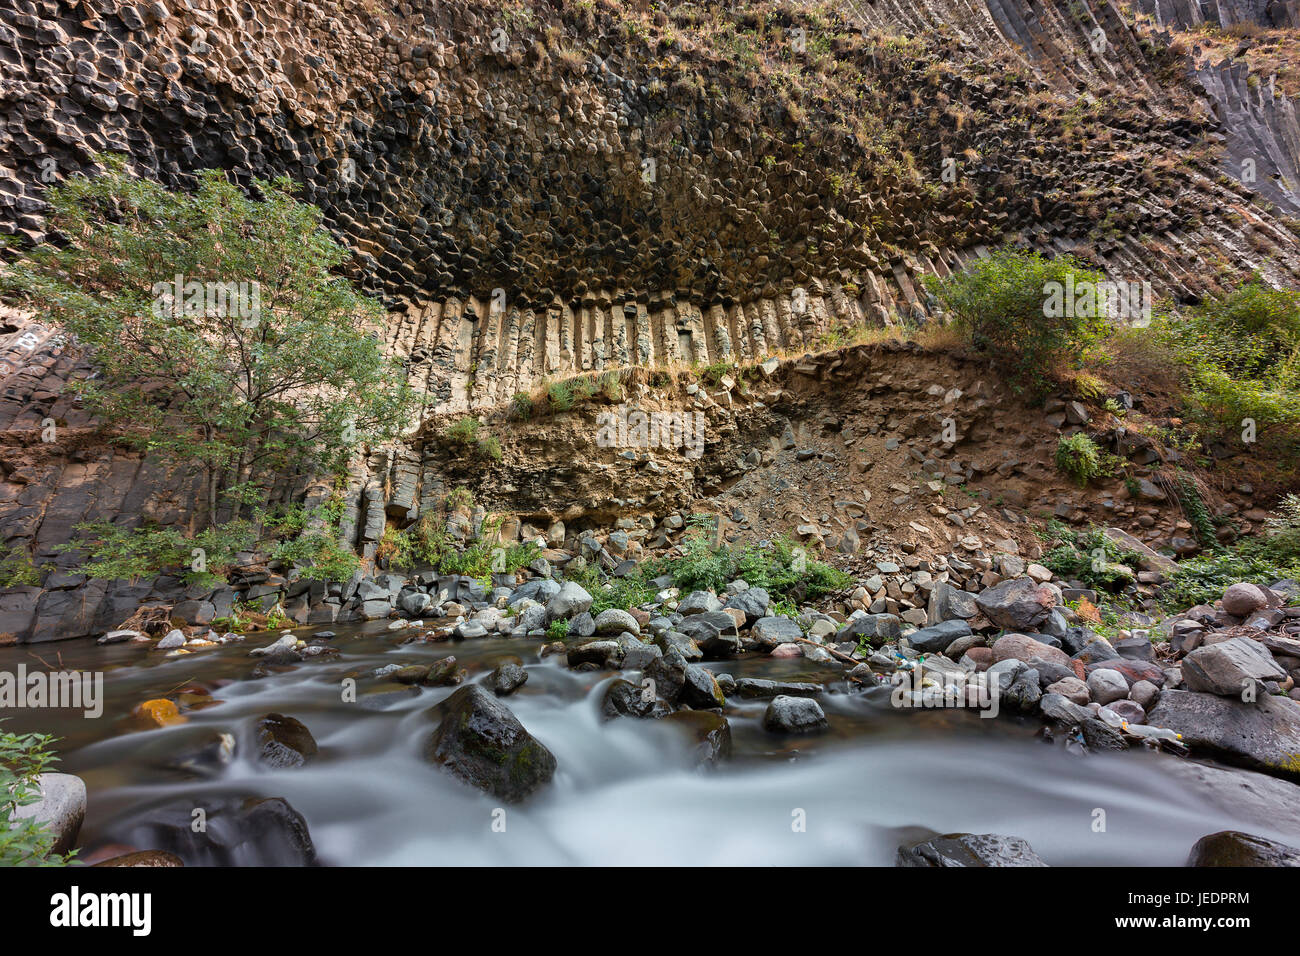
(794, 715)
(483, 743)
(284, 742)
(753, 602)
(1242, 600)
(936, 638)
(771, 631)
(570, 600)
(1264, 735)
(1020, 604)
(616, 621)
(1229, 667)
(948, 603)
(699, 602)
(60, 808)
(877, 629)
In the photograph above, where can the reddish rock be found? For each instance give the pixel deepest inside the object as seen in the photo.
(1022, 647)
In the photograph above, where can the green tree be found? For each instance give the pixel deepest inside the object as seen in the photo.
(1034, 316)
(222, 337)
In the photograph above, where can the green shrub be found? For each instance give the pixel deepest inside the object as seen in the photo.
(521, 406)
(560, 396)
(426, 544)
(608, 591)
(1002, 303)
(1243, 350)
(490, 447)
(26, 842)
(1283, 529)
(226, 300)
(307, 538)
(464, 431)
(114, 552)
(783, 569)
(1079, 457)
(17, 569)
(1203, 579)
(558, 630)
(319, 555)
(469, 432)
(611, 386)
(1091, 558)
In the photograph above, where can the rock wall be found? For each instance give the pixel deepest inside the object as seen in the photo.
(538, 190)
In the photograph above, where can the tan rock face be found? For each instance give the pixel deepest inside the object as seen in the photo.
(1024, 648)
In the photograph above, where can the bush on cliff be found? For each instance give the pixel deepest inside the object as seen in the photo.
(220, 336)
(1243, 353)
(1036, 317)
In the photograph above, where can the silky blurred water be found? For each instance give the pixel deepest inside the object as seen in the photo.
(626, 791)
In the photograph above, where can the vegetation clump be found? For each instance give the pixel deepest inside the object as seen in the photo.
(1004, 304)
(26, 841)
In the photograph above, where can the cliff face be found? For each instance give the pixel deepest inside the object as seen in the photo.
(541, 189)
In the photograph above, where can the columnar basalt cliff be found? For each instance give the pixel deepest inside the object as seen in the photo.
(541, 190)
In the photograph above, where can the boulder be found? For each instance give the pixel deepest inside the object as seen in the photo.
(1106, 685)
(1063, 710)
(1263, 735)
(752, 602)
(937, 638)
(794, 715)
(1242, 600)
(483, 743)
(700, 689)
(969, 849)
(625, 699)
(771, 631)
(616, 621)
(60, 808)
(1025, 691)
(699, 602)
(507, 678)
(1227, 668)
(284, 742)
(1072, 689)
(1149, 559)
(572, 599)
(242, 830)
(876, 629)
(750, 688)
(710, 734)
(1022, 647)
(599, 653)
(1021, 604)
(948, 603)
(1234, 848)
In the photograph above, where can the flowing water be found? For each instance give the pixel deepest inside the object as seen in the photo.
(627, 790)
